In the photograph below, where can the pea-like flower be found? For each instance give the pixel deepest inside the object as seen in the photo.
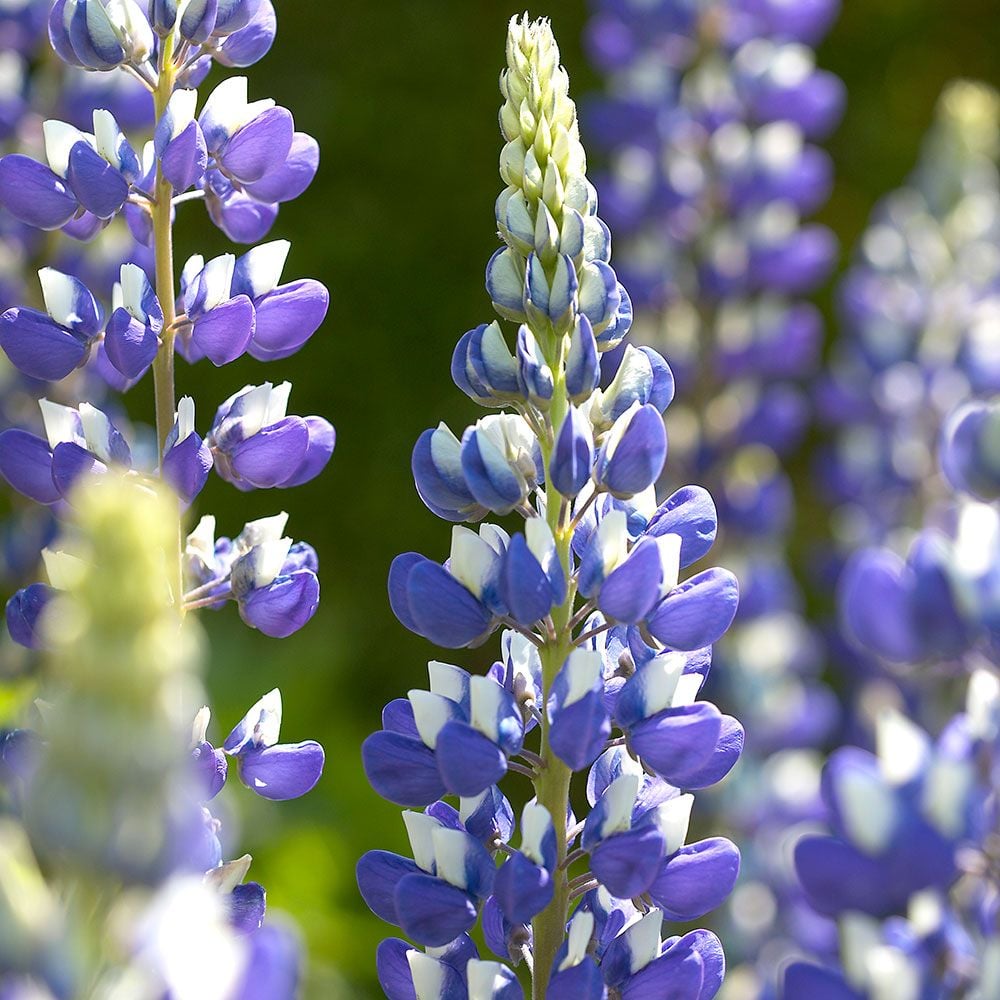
(49, 345)
(256, 446)
(273, 770)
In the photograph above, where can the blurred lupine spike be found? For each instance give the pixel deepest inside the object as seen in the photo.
(593, 579)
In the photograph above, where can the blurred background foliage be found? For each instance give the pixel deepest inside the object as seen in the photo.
(402, 97)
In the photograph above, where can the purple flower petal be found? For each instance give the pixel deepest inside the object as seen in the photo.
(690, 513)
(287, 317)
(272, 970)
(250, 44)
(804, 981)
(289, 180)
(696, 879)
(401, 768)
(70, 462)
(632, 589)
(131, 346)
(322, 439)
(283, 606)
(444, 611)
(97, 185)
(210, 768)
(678, 741)
(186, 467)
(698, 612)
(580, 730)
(26, 464)
(33, 194)
(23, 611)
(224, 332)
(378, 874)
(723, 760)
(39, 347)
(259, 148)
(431, 911)
(242, 218)
(281, 772)
(467, 760)
(271, 455)
(246, 907)
(628, 863)
(393, 969)
(677, 974)
(185, 157)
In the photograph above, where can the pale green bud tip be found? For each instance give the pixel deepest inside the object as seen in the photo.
(972, 109)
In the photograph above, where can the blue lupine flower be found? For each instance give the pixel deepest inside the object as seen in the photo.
(187, 459)
(50, 345)
(132, 336)
(273, 770)
(970, 458)
(256, 446)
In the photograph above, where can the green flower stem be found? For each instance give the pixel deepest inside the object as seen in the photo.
(553, 783)
(163, 248)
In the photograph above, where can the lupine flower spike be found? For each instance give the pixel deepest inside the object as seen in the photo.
(605, 642)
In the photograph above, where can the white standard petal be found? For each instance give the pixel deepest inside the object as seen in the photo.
(536, 823)
(486, 698)
(62, 569)
(451, 848)
(420, 829)
(903, 747)
(268, 559)
(134, 286)
(59, 293)
(583, 671)
(262, 266)
(200, 543)
(867, 807)
(485, 978)
(430, 713)
(107, 135)
(180, 110)
(262, 530)
(60, 422)
(428, 975)
(448, 680)
(618, 801)
(672, 819)
(60, 138)
(472, 560)
(643, 939)
(581, 930)
(612, 538)
(658, 680)
(217, 280)
(96, 430)
(185, 418)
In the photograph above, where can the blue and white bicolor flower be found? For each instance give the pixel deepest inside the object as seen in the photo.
(627, 583)
(639, 963)
(579, 724)
(405, 972)
(271, 769)
(534, 376)
(132, 336)
(256, 446)
(86, 173)
(435, 897)
(583, 364)
(573, 457)
(897, 815)
(575, 975)
(438, 475)
(180, 143)
(238, 304)
(187, 459)
(78, 442)
(273, 581)
(209, 763)
(492, 981)
(221, 322)
(23, 614)
(455, 738)
(483, 367)
(531, 577)
(101, 34)
(247, 140)
(643, 376)
(633, 452)
(501, 461)
(524, 885)
(686, 742)
(970, 449)
(49, 345)
(456, 604)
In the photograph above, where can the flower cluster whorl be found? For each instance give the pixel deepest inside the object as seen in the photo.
(599, 632)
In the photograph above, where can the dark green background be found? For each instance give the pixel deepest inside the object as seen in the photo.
(399, 224)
